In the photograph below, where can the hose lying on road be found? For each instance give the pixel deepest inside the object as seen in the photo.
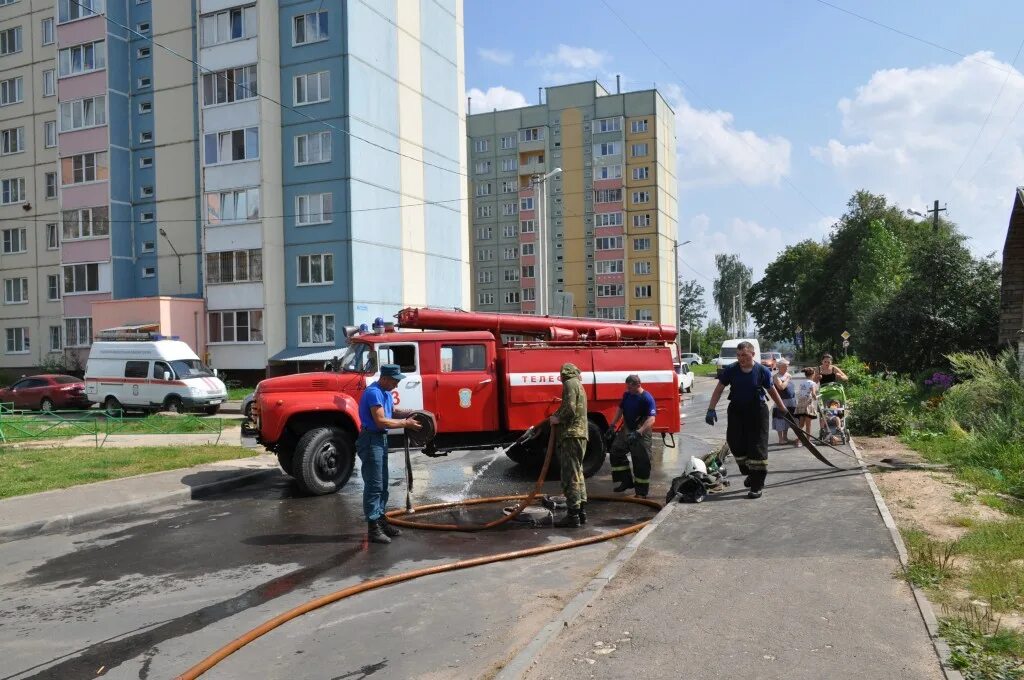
(395, 518)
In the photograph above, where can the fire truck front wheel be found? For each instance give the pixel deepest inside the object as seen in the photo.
(323, 461)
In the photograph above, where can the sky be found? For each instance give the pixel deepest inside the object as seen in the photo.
(784, 109)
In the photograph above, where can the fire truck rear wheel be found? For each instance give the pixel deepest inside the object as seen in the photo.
(531, 455)
(593, 459)
(323, 461)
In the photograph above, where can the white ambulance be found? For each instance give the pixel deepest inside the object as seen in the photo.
(162, 375)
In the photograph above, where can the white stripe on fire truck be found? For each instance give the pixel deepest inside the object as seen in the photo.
(597, 377)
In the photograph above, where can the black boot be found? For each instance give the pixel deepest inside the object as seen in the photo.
(375, 534)
(570, 521)
(623, 486)
(388, 528)
(583, 513)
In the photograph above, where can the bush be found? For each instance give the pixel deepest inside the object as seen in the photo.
(881, 407)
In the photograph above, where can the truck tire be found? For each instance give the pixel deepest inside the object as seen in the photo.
(323, 461)
(286, 459)
(531, 455)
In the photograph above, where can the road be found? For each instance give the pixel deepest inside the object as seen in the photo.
(148, 596)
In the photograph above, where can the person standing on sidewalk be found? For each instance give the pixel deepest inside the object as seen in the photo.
(783, 383)
(747, 433)
(637, 410)
(571, 419)
(377, 415)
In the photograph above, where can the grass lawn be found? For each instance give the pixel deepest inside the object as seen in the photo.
(23, 428)
(24, 471)
(703, 369)
(239, 393)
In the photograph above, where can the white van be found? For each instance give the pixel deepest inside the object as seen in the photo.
(727, 355)
(151, 376)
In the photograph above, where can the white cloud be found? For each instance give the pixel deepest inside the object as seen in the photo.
(501, 57)
(498, 97)
(573, 58)
(713, 151)
(906, 131)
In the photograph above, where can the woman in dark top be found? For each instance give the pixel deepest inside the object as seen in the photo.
(829, 372)
(782, 384)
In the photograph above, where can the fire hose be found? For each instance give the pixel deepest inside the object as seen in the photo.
(397, 517)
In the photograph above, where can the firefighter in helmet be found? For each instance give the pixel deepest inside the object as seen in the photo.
(571, 419)
(637, 411)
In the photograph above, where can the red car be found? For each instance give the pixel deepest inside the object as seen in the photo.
(46, 392)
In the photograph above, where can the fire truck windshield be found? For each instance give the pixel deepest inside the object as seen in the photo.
(359, 358)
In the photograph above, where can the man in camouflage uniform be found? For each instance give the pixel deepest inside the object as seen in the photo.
(571, 419)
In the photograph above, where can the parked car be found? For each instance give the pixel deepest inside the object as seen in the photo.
(770, 359)
(690, 358)
(247, 406)
(46, 392)
(685, 377)
(727, 355)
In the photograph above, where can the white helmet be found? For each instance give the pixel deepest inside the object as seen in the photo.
(695, 464)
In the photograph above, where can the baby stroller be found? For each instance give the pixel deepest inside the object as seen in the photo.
(832, 414)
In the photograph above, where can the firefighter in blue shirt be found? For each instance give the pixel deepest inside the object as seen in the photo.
(637, 410)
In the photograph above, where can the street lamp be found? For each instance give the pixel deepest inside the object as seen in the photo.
(540, 194)
(679, 322)
(176, 254)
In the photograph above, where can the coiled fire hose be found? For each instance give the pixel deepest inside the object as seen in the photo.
(395, 517)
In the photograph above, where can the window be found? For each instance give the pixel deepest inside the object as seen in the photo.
(53, 287)
(85, 167)
(608, 196)
(17, 341)
(641, 244)
(55, 340)
(149, 246)
(234, 266)
(314, 209)
(608, 149)
(316, 270)
(608, 267)
(143, 52)
(146, 136)
(613, 313)
(637, 150)
(81, 278)
(12, 190)
(484, 210)
(72, 61)
(10, 41)
(51, 185)
(644, 291)
(512, 297)
(78, 331)
(83, 113)
(638, 125)
(526, 203)
(311, 88)
(313, 148)
(232, 146)
(643, 220)
(508, 142)
(16, 291)
(47, 30)
(608, 219)
(529, 271)
(229, 85)
(485, 276)
(15, 241)
(52, 236)
(509, 164)
(69, 10)
(642, 267)
(509, 275)
(238, 23)
(484, 254)
(86, 223)
(10, 91)
(455, 358)
(235, 205)
(12, 140)
(643, 315)
(142, 27)
(483, 188)
(485, 298)
(509, 231)
(148, 272)
(608, 125)
(49, 82)
(509, 186)
(641, 197)
(608, 243)
(136, 369)
(484, 233)
(49, 134)
(238, 326)
(309, 28)
(144, 82)
(316, 329)
(527, 226)
(483, 167)
(510, 253)
(146, 217)
(529, 294)
(608, 172)
(481, 145)
(146, 192)
(146, 162)
(609, 290)
(531, 135)
(527, 249)
(641, 173)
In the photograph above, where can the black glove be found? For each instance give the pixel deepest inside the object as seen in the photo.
(609, 439)
(711, 418)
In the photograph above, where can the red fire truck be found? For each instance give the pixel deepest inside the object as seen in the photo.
(487, 378)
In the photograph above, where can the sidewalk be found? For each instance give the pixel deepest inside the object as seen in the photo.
(798, 584)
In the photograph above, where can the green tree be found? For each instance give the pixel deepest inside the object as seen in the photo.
(732, 284)
(692, 308)
(710, 340)
(883, 268)
(781, 299)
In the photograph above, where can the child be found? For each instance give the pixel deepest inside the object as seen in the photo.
(806, 400)
(834, 415)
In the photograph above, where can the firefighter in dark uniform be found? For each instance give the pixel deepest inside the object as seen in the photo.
(747, 433)
(637, 410)
(571, 419)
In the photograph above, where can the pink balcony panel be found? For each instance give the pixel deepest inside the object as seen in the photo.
(616, 301)
(81, 305)
(528, 237)
(529, 306)
(609, 254)
(91, 250)
(80, 141)
(525, 192)
(609, 231)
(85, 85)
(82, 31)
(527, 214)
(607, 184)
(610, 278)
(608, 207)
(528, 259)
(84, 195)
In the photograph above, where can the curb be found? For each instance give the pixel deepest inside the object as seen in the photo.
(527, 657)
(924, 606)
(59, 523)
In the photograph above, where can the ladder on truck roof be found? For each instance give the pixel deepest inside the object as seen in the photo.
(149, 332)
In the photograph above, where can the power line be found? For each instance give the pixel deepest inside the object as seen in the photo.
(705, 276)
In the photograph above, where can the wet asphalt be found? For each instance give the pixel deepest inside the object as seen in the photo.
(147, 596)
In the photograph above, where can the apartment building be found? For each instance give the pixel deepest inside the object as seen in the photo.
(298, 165)
(610, 214)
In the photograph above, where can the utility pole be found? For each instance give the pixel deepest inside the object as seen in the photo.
(679, 322)
(935, 215)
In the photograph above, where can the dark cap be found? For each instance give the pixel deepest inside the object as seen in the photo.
(393, 371)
